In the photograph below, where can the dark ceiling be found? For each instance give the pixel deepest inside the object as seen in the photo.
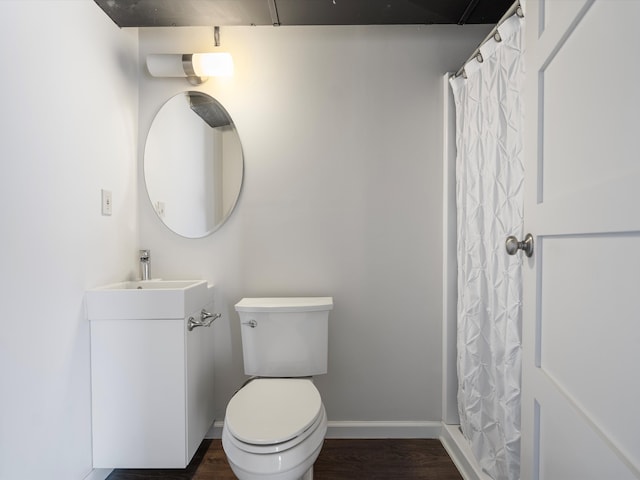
(182, 13)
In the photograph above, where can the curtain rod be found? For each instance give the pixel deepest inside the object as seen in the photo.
(515, 8)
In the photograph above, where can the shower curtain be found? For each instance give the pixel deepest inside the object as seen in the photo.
(489, 196)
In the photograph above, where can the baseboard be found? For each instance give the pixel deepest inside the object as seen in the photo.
(458, 449)
(346, 429)
(216, 430)
(99, 474)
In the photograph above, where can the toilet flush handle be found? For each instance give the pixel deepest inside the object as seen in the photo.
(252, 323)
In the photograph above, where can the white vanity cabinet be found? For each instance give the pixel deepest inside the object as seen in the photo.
(152, 389)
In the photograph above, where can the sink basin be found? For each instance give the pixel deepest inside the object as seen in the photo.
(152, 285)
(147, 299)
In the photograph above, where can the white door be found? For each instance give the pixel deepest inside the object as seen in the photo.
(581, 323)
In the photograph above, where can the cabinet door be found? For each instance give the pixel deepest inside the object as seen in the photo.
(138, 402)
(200, 365)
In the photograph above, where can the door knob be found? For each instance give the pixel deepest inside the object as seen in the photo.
(513, 245)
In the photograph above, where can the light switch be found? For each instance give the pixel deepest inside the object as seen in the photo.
(106, 202)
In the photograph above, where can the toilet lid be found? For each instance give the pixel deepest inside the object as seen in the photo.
(272, 410)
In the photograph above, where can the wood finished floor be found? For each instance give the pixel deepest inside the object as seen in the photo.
(340, 459)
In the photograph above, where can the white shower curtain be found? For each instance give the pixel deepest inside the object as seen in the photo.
(489, 184)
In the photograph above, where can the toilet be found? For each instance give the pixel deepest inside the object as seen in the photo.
(275, 424)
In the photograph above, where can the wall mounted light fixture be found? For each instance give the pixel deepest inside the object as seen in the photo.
(196, 67)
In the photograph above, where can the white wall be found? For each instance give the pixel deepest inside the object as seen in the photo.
(342, 134)
(68, 127)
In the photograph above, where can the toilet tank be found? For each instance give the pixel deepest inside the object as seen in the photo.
(284, 337)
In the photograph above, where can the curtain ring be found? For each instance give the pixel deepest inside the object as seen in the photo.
(519, 12)
(497, 37)
(479, 58)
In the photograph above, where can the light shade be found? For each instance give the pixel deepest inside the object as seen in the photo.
(212, 64)
(196, 67)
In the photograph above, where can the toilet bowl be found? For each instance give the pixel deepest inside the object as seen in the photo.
(275, 424)
(274, 429)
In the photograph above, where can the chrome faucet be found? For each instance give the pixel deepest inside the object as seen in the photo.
(145, 264)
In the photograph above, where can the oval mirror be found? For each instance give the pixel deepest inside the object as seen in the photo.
(193, 164)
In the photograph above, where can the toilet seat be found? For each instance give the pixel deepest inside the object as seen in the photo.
(278, 447)
(290, 460)
(272, 414)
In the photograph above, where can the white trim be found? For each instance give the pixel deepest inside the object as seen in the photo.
(449, 260)
(98, 474)
(353, 429)
(216, 430)
(458, 449)
(346, 429)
